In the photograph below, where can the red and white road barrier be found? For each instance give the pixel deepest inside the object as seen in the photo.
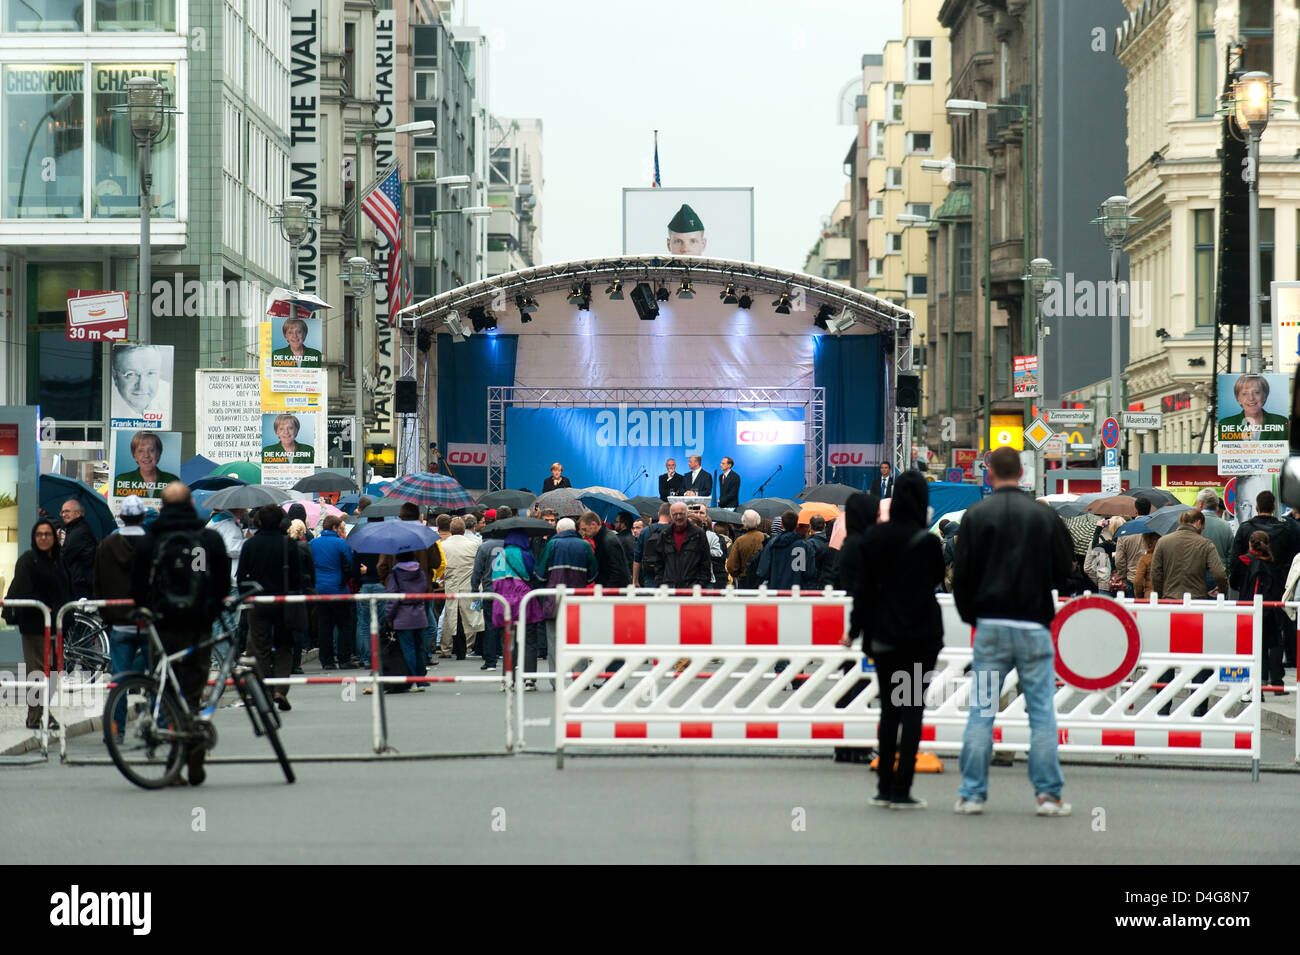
(39, 685)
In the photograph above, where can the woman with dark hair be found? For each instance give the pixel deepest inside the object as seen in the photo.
(38, 575)
(901, 568)
(1265, 579)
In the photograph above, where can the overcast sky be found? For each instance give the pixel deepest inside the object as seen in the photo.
(743, 93)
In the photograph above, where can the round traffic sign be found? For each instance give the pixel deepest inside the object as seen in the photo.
(955, 475)
(1097, 643)
(1230, 497)
(987, 455)
(1110, 433)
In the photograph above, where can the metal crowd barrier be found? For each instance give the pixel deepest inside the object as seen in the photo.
(38, 685)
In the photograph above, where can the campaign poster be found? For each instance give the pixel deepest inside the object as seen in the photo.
(9, 539)
(142, 387)
(144, 461)
(1254, 423)
(1024, 376)
(291, 355)
(717, 223)
(288, 439)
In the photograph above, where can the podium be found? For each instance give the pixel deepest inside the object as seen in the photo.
(691, 501)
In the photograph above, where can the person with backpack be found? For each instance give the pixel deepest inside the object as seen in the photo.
(181, 573)
(641, 576)
(272, 561)
(788, 560)
(512, 574)
(1263, 578)
(38, 575)
(128, 646)
(745, 551)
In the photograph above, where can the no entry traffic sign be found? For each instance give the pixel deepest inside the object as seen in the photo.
(1097, 643)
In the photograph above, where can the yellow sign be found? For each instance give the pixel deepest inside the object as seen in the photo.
(1008, 431)
(1038, 432)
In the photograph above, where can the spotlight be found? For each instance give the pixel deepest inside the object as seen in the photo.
(661, 293)
(845, 319)
(685, 290)
(643, 299)
(729, 295)
(823, 314)
(580, 295)
(455, 326)
(745, 300)
(615, 290)
(482, 319)
(525, 304)
(782, 304)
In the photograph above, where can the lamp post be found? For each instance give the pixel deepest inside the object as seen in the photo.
(1036, 278)
(1252, 102)
(294, 221)
(149, 116)
(1114, 220)
(938, 165)
(964, 107)
(360, 277)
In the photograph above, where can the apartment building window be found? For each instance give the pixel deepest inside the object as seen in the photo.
(110, 16)
(921, 209)
(1203, 239)
(894, 97)
(893, 243)
(1001, 361)
(426, 164)
(1207, 59)
(916, 286)
(1255, 26)
(425, 43)
(920, 57)
(962, 370)
(878, 139)
(965, 272)
(349, 57)
(876, 268)
(918, 144)
(894, 177)
(426, 85)
(876, 209)
(426, 140)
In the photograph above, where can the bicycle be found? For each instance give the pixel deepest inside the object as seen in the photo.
(158, 728)
(85, 643)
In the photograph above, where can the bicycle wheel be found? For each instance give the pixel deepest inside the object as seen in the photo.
(85, 644)
(155, 730)
(259, 708)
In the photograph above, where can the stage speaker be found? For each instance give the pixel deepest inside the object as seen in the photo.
(405, 399)
(908, 394)
(643, 298)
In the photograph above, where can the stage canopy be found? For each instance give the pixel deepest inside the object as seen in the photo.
(524, 340)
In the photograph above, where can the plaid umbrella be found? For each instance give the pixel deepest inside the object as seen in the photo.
(429, 490)
(563, 501)
(1081, 531)
(828, 493)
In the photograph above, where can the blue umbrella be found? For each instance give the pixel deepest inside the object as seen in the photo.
(391, 537)
(195, 468)
(376, 488)
(1136, 526)
(54, 489)
(608, 507)
(347, 503)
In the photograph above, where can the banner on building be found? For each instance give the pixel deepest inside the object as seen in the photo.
(380, 425)
(623, 445)
(142, 387)
(227, 414)
(304, 130)
(144, 462)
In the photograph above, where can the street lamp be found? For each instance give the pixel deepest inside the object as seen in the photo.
(294, 220)
(1037, 277)
(360, 277)
(1114, 220)
(150, 118)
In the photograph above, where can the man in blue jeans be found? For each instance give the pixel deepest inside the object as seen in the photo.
(1011, 552)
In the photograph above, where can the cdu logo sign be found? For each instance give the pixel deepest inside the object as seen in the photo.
(853, 455)
(468, 455)
(769, 432)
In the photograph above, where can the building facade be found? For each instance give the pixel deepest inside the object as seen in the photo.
(515, 195)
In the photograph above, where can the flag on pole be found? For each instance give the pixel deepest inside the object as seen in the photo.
(383, 206)
(656, 183)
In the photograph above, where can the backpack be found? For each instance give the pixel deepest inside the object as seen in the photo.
(178, 577)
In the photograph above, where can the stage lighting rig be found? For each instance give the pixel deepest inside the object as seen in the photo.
(823, 313)
(685, 291)
(482, 319)
(782, 304)
(615, 290)
(728, 295)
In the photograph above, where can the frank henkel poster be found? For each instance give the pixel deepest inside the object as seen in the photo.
(142, 387)
(144, 461)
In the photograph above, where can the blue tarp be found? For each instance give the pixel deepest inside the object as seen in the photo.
(946, 497)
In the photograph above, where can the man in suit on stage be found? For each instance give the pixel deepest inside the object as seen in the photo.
(697, 481)
(671, 482)
(883, 485)
(728, 485)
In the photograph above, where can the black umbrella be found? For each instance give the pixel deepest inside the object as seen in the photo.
(216, 482)
(531, 526)
(518, 500)
(646, 506)
(325, 482)
(828, 493)
(1158, 497)
(1165, 520)
(384, 507)
(247, 495)
(721, 515)
(1066, 509)
(770, 508)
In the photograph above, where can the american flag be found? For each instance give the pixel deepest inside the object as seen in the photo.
(383, 204)
(656, 184)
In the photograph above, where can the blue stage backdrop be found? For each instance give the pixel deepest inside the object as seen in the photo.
(610, 446)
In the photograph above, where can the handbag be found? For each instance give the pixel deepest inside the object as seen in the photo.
(293, 615)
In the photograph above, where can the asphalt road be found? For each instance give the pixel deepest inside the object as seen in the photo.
(609, 808)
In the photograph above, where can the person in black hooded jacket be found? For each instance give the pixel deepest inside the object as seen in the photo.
(845, 573)
(902, 565)
(38, 575)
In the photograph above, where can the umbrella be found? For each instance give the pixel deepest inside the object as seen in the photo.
(598, 489)
(720, 515)
(1136, 526)
(1061, 498)
(247, 495)
(818, 508)
(280, 300)
(828, 493)
(607, 507)
(54, 489)
(384, 507)
(195, 468)
(645, 506)
(1165, 519)
(377, 487)
(1117, 505)
(348, 502)
(1086, 499)
(246, 471)
(563, 501)
(1081, 531)
(391, 537)
(326, 481)
(1066, 509)
(519, 500)
(217, 482)
(430, 490)
(1158, 496)
(313, 510)
(954, 516)
(770, 507)
(529, 525)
